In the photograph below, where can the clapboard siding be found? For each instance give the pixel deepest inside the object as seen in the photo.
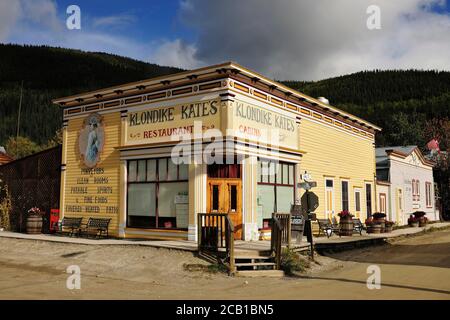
(339, 155)
(109, 160)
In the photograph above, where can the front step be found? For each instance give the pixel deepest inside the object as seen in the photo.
(254, 264)
(260, 273)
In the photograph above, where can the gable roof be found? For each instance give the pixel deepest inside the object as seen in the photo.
(382, 154)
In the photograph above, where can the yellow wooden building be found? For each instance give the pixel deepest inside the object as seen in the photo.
(151, 155)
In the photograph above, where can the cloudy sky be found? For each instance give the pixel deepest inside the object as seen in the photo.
(285, 39)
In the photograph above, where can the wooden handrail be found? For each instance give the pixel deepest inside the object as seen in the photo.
(277, 239)
(216, 230)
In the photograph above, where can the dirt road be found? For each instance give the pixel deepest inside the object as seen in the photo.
(412, 268)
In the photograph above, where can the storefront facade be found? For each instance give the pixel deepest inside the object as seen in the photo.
(152, 155)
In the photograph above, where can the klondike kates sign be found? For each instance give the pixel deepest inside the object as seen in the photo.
(162, 124)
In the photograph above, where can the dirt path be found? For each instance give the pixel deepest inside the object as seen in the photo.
(411, 268)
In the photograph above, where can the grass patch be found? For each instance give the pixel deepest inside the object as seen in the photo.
(292, 261)
(209, 268)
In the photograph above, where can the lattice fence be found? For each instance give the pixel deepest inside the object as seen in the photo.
(33, 181)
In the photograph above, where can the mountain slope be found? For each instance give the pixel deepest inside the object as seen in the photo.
(48, 73)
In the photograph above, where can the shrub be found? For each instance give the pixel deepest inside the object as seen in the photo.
(5, 207)
(379, 215)
(291, 261)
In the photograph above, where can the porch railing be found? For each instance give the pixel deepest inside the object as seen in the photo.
(285, 222)
(216, 236)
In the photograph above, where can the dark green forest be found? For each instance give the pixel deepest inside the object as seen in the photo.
(49, 73)
(401, 102)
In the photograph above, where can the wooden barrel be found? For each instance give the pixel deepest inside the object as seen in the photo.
(34, 224)
(381, 221)
(346, 227)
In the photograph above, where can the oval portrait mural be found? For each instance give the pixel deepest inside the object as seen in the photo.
(91, 140)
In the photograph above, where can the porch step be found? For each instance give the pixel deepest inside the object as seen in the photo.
(254, 264)
(251, 257)
(260, 273)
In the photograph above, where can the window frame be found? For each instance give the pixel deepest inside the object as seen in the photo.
(428, 194)
(347, 201)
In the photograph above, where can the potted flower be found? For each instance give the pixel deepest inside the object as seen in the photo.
(34, 220)
(388, 226)
(372, 226)
(420, 217)
(423, 221)
(380, 218)
(345, 223)
(413, 221)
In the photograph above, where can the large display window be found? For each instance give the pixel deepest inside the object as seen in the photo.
(157, 194)
(275, 189)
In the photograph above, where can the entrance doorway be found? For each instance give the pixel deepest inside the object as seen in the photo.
(224, 193)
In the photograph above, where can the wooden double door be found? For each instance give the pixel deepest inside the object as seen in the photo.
(225, 196)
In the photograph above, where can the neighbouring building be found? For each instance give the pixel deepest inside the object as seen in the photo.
(404, 183)
(153, 154)
(4, 157)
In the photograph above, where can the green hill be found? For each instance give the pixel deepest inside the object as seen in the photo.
(401, 102)
(48, 73)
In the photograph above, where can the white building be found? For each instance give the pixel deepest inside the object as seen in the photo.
(404, 183)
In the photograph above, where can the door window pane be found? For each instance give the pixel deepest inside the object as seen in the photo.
(151, 170)
(233, 198)
(215, 198)
(345, 195)
(291, 174)
(358, 201)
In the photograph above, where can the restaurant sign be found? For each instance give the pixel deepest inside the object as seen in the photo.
(163, 124)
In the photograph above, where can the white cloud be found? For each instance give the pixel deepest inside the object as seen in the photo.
(175, 53)
(9, 15)
(310, 40)
(114, 21)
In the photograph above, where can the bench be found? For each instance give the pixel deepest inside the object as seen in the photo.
(358, 227)
(327, 227)
(96, 226)
(73, 224)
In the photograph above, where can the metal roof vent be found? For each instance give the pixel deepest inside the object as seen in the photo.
(323, 100)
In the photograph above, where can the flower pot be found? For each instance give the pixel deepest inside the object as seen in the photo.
(374, 228)
(346, 226)
(388, 228)
(381, 222)
(34, 224)
(422, 223)
(414, 224)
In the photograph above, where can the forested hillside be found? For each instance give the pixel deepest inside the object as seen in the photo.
(401, 102)
(48, 73)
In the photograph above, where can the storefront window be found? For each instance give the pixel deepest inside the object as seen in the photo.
(275, 189)
(157, 194)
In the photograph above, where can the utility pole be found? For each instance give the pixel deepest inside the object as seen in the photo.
(18, 118)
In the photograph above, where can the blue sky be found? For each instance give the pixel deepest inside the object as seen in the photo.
(285, 39)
